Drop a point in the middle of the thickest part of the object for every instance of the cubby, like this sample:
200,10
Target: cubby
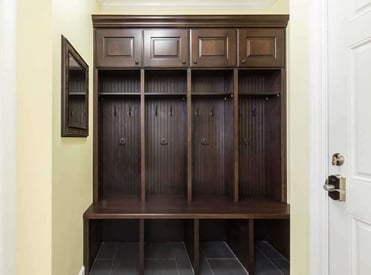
190,144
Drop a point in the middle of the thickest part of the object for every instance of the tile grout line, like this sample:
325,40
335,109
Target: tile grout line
176,261
238,260
275,250
114,258
269,260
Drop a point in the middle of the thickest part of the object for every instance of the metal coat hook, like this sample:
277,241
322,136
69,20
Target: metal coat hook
212,111
129,113
114,111
171,110
156,110
197,113
253,112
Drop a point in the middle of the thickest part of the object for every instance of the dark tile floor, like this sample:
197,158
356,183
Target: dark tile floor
172,259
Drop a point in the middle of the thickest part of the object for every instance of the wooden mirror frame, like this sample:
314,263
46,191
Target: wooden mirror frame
69,130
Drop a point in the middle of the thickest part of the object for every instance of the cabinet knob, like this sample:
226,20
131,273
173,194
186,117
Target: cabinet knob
243,61
195,61
184,61
136,62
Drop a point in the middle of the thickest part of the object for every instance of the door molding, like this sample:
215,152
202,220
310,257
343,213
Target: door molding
318,37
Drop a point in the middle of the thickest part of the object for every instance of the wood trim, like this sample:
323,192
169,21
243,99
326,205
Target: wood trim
319,96
235,134
95,139
190,21
142,139
189,135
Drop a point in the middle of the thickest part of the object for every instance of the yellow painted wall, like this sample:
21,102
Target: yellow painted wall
279,7
299,135
34,137
72,157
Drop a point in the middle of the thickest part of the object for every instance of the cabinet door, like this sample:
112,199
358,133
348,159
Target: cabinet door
118,47
166,48
213,47
262,48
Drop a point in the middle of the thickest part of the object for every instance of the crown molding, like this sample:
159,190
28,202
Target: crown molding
174,6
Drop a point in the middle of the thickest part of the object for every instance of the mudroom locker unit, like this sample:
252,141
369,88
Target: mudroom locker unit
189,135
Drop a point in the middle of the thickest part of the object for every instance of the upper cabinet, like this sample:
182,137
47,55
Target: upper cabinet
198,47
213,47
166,47
262,47
118,47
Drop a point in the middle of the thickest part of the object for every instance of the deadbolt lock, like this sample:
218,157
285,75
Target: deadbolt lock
337,159
335,186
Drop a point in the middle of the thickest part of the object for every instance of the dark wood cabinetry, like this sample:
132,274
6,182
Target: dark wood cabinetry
118,48
189,141
214,47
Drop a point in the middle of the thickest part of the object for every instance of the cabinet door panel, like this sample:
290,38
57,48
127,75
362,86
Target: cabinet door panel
166,48
118,47
262,48
213,47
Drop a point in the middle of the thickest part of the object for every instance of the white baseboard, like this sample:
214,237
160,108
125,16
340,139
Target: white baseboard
82,271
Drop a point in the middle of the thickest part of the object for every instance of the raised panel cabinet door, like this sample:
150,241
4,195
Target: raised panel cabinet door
118,47
214,47
166,48
262,47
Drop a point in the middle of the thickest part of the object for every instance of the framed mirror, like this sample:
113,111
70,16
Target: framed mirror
75,92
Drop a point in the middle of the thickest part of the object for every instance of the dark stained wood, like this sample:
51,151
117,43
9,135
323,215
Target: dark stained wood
206,142
200,208
283,138
166,146
276,232
118,47
262,47
166,48
189,135
96,139
251,260
235,135
183,21
212,151
191,241
143,140
213,47
238,235
141,247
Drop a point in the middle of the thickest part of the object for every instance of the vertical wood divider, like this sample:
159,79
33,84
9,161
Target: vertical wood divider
143,141
283,136
95,139
141,247
235,134
196,246
189,135
251,260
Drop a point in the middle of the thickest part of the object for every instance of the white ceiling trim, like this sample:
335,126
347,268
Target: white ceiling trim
184,5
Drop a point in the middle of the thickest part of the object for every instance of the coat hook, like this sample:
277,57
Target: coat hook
129,113
114,111
156,110
197,113
171,110
253,112
212,111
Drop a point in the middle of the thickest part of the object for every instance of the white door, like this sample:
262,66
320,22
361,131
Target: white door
349,51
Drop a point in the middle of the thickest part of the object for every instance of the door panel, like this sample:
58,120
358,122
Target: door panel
118,47
167,48
213,47
350,134
262,48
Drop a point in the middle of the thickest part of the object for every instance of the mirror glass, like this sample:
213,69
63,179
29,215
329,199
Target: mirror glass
74,92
